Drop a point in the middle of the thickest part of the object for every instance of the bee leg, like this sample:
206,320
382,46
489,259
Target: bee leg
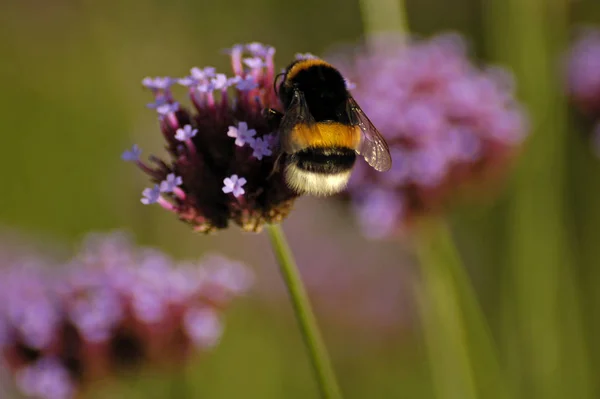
273,117
276,166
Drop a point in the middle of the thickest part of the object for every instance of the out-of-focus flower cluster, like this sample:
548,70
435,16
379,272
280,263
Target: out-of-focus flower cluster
447,122
583,77
222,150
112,306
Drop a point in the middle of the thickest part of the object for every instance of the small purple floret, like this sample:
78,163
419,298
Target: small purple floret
234,185
158,83
185,133
254,62
305,56
242,134
46,379
150,195
246,84
202,74
133,154
219,82
261,148
170,183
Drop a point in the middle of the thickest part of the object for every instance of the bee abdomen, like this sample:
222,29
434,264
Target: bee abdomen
324,160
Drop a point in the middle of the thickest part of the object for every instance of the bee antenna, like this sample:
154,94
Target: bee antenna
275,82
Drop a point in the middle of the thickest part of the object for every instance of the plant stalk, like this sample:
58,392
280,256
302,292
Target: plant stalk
317,351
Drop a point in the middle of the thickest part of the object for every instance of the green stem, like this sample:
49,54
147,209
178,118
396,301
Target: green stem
308,323
381,16
463,354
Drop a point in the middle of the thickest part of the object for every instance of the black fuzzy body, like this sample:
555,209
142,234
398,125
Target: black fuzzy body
324,90
324,160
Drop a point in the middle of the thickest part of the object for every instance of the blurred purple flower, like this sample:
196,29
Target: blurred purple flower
242,134
254,62
185,133
203,327
158,83
202,153
234,185
584,72
96,312
170,183
150,195
133,154
261,148
46,379
57,330
447,123
246,84
259,49
583,79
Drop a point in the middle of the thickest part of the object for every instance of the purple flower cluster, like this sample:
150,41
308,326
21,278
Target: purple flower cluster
222,160
583,77
111,305
446,122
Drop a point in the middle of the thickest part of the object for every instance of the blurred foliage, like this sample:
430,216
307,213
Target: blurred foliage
72,100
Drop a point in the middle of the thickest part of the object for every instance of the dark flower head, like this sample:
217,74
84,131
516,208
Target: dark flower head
222,156
584,72
446,122
112,305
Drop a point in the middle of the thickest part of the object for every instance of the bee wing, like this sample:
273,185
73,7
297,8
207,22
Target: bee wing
373,146
297,117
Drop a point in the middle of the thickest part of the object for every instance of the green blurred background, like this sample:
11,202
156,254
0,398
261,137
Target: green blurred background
72,101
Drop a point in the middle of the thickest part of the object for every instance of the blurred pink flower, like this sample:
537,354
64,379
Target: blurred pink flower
447,122
112,304
583,74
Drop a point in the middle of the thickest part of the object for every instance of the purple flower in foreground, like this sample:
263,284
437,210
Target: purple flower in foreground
112,304
261,148
132,155
202,74
305,56
242,134
170,183
150,195
158,83
448,123
202,152
185,133
259,50
234,185
246,84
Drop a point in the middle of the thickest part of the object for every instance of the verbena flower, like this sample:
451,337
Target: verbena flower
583,79
221,150
584,72
446,122
111,305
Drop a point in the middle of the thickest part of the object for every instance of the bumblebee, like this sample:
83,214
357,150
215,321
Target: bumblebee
322,129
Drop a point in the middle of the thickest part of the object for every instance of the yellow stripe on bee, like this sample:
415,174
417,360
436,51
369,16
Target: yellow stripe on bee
326,134
305,64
